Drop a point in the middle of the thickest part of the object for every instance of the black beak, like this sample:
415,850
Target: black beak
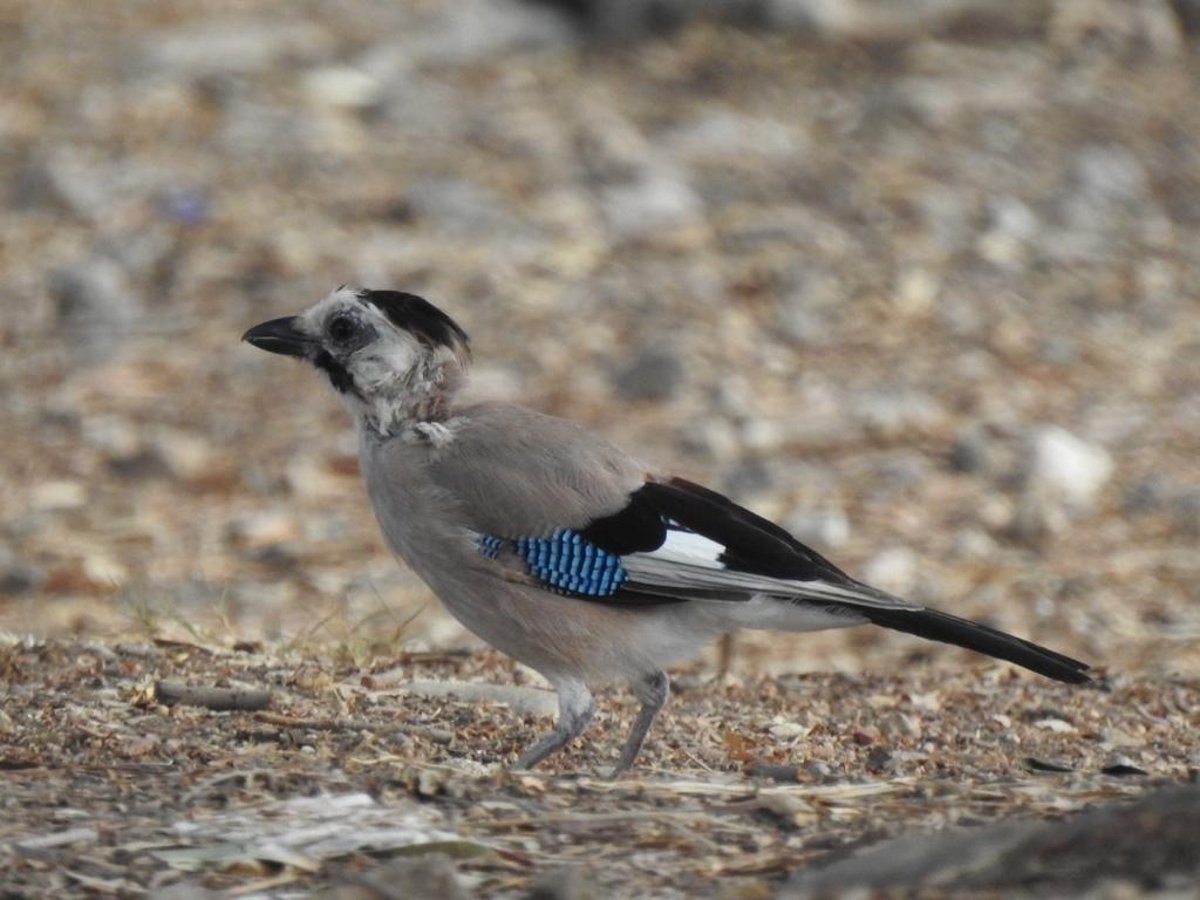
279,336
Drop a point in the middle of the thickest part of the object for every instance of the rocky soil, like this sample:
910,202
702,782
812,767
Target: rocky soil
919,280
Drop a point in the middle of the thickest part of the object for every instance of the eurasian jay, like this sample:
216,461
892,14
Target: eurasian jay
557,547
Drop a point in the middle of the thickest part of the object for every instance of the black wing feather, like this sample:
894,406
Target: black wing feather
757,546
752,544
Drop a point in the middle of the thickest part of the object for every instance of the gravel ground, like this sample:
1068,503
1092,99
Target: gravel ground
109,790
926,294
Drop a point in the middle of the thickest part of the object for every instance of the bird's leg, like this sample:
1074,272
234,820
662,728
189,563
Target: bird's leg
653,691
575,709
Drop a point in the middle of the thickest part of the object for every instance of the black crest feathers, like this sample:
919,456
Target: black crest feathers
419,317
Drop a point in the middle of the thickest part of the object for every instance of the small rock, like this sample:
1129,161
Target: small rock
973,543
422,876
16,575
880,759
819,770
232,47
805,309
342,87
57,496
659,199
1185,513
1188,14
894,570
95,306
656,373
1012,228
562,883
787,731
900,724
971,452
865,737
1011,217
1147,494
726,134
186,891
1109,175
748,477
104,571
891,413
185,455
459,207
473,31
265,529
313,477
822,528
712,438
63,178
1062,476
114,436
774,772
1122,766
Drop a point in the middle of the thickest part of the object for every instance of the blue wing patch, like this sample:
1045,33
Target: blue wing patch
565,561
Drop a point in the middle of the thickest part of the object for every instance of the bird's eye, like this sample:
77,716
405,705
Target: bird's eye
342,328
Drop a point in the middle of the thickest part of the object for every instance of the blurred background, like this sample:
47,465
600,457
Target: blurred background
920,279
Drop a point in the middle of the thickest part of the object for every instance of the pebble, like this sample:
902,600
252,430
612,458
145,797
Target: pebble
787,731
894,570
57,496
1107,176
1185,512
712,439
562,882
819,770
899,724
263,529
1063,475
96,307
104,571
1188,14
472,31
973,543
657,200
748,477
655,373
1147,494
457,207
822,527
342,87
891,413
725,134
234,46
186,455
17,576
64,178
806,308
971,453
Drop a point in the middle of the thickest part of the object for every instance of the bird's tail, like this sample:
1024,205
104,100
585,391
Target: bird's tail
939,626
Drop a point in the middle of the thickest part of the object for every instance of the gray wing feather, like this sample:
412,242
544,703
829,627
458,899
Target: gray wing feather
676,576
513,472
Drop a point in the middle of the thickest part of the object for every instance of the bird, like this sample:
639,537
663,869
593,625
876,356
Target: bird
560,549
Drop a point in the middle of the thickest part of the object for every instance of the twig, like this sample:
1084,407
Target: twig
216,698
285,721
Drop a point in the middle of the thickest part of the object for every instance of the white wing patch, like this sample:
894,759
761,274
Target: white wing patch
690,548
690,561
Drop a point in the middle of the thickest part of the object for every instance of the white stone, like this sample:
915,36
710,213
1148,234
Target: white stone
1065,468
893,570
